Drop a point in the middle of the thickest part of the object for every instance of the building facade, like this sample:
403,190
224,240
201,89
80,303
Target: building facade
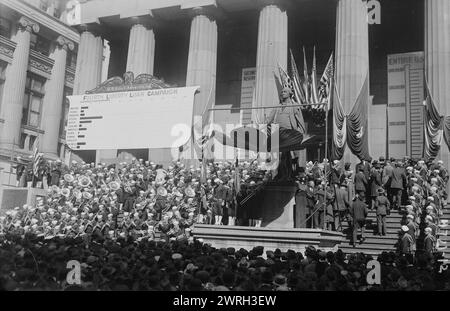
37,71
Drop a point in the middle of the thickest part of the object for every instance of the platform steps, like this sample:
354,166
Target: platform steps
375,244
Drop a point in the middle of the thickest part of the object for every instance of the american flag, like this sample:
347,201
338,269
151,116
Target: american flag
37,156
298,90
325,80
306,78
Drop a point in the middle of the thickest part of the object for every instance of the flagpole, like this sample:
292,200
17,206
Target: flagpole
327,107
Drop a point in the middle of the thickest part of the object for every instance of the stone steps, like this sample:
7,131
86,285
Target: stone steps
375,244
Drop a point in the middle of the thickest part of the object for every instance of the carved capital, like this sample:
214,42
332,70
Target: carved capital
211,12
282,4
65,43
28,24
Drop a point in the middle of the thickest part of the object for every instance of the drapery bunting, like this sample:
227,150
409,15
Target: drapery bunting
351,129
436,127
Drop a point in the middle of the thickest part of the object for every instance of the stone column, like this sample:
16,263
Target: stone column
89,63
14,87
53,99
202,59
437,60
272,50
202,64
352,54
141,50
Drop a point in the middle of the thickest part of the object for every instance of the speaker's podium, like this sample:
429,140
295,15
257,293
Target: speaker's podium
11,197
274,205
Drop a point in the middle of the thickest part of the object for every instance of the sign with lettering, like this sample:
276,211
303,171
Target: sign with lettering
247,93
158,118
405,109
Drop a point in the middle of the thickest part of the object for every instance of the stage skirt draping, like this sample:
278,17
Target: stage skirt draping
351,129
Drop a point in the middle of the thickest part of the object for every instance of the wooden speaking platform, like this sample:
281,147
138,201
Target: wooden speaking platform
275,206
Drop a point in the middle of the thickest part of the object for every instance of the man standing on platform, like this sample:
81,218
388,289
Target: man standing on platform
388,170
382,207
360,182
359,211
398,180
301,203
342,205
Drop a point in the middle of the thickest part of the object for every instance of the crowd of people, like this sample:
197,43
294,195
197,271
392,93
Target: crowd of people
413,187
136,198
35,263
107,217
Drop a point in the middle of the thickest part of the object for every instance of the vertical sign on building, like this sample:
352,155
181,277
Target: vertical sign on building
405,109
247,88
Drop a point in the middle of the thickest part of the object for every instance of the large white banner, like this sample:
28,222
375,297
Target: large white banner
160,118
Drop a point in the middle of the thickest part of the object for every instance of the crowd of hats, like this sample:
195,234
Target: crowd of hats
128,199
31,262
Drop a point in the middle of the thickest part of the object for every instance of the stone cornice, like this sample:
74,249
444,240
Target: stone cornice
42,18
7,48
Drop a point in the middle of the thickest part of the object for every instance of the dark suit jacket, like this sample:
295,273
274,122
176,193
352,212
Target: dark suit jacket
360,182
341,199
359,210
398,178
366,169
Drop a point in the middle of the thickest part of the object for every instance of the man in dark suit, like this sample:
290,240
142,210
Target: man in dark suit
382,206
359,211
341,205
387,178
360,182
398,180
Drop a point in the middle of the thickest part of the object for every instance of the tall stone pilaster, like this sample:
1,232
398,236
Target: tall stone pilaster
141,50
202,59
352,54
89,63
202,62
14,87
272,50
437,60
53,99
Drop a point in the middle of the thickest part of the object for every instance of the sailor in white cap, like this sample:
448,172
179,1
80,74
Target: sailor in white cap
407,242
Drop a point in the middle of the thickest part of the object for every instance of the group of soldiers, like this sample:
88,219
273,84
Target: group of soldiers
329,194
